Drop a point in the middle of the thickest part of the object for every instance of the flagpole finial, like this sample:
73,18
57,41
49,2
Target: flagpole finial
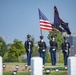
41,37
55,8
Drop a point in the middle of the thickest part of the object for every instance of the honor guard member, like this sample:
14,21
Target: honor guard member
42,48
28,47
65,50
53,48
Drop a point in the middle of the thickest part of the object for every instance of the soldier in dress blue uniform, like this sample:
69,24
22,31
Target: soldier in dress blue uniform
53,48
42,48
28,47
65,50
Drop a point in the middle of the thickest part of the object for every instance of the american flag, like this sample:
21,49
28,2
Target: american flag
44,22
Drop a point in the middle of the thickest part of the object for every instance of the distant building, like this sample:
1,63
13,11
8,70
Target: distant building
72,41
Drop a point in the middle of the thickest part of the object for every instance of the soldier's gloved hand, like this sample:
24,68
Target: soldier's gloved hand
29,43
66,51
43,50
53,49
28,49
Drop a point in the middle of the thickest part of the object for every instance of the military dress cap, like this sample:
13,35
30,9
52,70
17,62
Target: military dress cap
51,36
28,36
41,37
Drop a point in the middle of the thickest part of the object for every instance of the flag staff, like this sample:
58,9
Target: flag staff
41,32
39,18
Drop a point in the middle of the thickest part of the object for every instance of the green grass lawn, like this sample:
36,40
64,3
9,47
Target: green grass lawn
20,73
27,73
60,66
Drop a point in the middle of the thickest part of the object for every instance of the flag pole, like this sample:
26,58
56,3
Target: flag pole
39,18
53,30
41,32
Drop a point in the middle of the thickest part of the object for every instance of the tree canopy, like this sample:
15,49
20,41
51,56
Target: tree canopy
16,50
3,47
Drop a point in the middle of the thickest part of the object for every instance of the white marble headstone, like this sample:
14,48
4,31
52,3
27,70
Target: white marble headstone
1,68
36,66
72,65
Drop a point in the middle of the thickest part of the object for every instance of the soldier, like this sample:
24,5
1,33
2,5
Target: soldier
28,47
42,48
65,50
53,48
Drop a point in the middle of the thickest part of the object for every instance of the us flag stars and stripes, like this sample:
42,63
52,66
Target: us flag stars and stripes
44,22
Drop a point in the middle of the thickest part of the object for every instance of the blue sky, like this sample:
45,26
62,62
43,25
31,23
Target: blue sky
20,17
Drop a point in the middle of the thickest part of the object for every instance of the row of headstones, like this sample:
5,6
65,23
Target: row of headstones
37,67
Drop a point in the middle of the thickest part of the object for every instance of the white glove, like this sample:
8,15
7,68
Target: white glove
66,51
29,50
67,45
29,43
53,49
43,50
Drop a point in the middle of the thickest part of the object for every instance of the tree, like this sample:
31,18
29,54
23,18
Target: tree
3,47
16,50
35,47
48,59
